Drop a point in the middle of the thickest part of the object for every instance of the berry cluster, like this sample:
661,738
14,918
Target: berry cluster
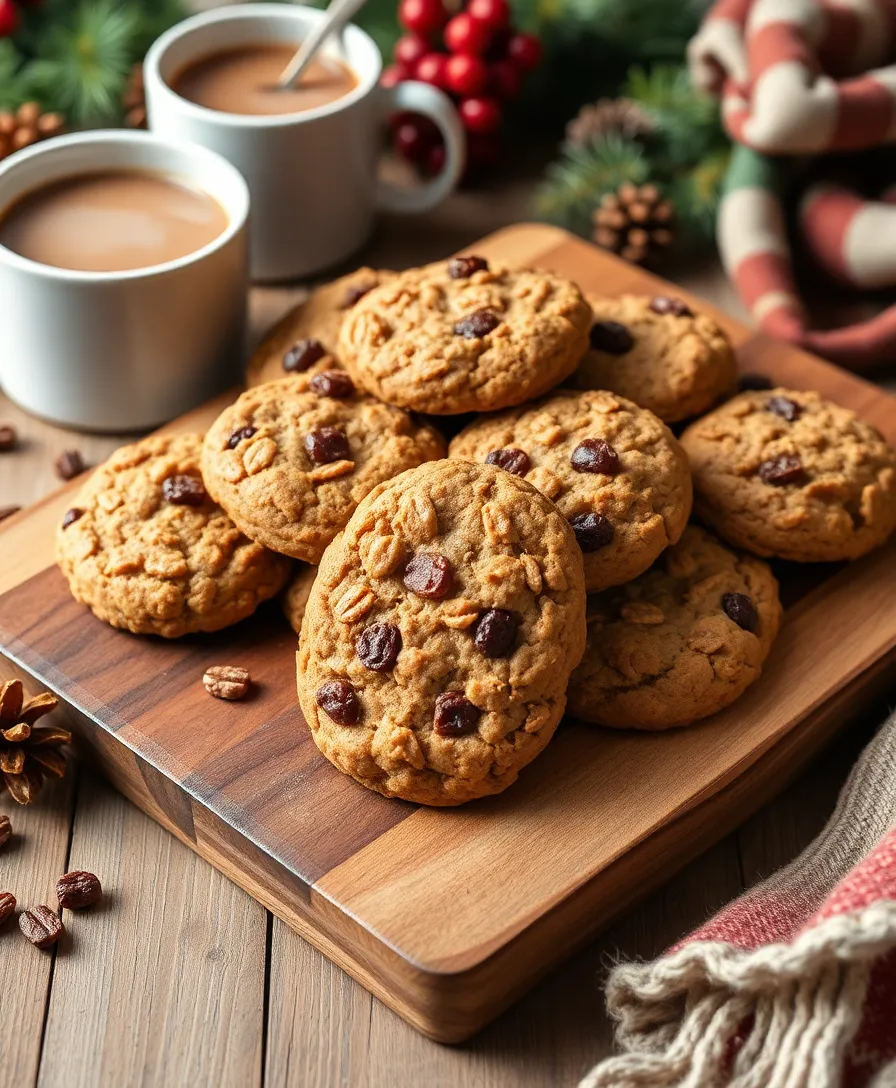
483,68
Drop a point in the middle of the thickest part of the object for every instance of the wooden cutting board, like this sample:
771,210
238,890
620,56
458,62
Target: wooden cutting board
449,915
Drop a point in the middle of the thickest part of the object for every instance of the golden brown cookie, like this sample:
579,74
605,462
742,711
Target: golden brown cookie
440,634
290,460
459,336
680,642
304,340
147,549
295,596
658,353
615,472
788,473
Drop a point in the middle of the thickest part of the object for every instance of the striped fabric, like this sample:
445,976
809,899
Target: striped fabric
801,77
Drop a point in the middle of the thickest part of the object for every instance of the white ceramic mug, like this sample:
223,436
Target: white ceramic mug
312,175
123,351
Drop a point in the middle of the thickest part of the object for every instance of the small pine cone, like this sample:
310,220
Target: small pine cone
133,100
27,125
29,753
620,116
635,222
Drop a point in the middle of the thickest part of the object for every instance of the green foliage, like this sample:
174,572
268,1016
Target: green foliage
75,56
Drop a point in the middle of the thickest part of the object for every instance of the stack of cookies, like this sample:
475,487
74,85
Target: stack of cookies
454,599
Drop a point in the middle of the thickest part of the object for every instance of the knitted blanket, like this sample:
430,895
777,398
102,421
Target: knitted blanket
798,78
793,985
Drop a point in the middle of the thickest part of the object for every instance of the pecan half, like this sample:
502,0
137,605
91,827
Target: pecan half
227,681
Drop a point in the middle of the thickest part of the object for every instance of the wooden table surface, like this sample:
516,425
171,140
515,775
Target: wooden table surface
182,979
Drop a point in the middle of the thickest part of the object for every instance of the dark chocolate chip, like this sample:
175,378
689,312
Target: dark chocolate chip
677,307
378,646
476,325
455,715
8,437
429,575
511,460
327,445
184,490
749,382
302,354
332,383
461,268
496,632
784,407
71,516
69,464
740,608
782,470
355,292
240,436
612,337
593,531
339,701
595,455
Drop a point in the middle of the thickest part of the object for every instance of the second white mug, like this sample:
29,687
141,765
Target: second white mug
312,175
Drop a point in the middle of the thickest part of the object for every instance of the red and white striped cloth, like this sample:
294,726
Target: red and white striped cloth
793,985
796,78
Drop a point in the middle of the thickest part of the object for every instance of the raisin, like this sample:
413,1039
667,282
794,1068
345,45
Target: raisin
339,701
429,575
332,383
184,490
476,325
782,470
496,632
240,436
612,337
455,715
511,459
327,445
302,354
784,407
595,455
593,531
461,268
740,608
378,646
677,307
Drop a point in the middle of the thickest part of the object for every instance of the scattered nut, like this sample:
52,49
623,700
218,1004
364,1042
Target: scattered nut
77,890
7,905
41,926
5,830
227,681
69,464
8,437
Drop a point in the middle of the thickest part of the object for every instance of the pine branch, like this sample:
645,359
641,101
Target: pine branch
11,96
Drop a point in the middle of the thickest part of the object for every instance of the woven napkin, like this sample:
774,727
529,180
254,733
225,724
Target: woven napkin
792,985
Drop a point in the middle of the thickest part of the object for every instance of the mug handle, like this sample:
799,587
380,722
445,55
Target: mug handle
416,97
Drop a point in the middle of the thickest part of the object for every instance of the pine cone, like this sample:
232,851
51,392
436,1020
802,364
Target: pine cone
134,99
28,754
26,126
608,115
634,222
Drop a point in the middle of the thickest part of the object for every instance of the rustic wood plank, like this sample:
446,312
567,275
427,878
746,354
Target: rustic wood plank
164,983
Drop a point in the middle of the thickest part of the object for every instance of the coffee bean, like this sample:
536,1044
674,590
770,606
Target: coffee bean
8,511
429,575
332,383
7,906
593,531
339,701
41,926
595,455
663,304
355,292
378,646
327,445
71,516
302,354
782,470
476,325
740,608
78,890
455,715
240,436
184,491
748,382
612,337
5,830
8,438
496,632
461,268
69,464
511,460
784,407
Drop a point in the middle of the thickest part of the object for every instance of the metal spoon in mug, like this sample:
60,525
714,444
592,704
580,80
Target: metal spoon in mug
337,15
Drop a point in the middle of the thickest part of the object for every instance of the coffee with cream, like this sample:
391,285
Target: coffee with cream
113,221
244,80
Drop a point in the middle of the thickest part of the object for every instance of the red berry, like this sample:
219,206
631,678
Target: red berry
423,17
504,80
395,74
465,74
435,160
412,141
464,34
409,49
480,114
494,13
9,18
431,69
525,51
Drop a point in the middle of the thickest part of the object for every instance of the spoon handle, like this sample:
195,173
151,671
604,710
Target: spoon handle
338,14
